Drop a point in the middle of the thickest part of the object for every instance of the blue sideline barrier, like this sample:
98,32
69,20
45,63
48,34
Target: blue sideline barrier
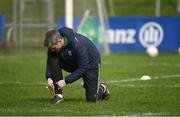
137,33
2,23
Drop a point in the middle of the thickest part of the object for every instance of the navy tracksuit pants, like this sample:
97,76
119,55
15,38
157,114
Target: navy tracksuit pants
93,91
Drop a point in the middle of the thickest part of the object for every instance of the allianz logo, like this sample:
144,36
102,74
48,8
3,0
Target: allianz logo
150,34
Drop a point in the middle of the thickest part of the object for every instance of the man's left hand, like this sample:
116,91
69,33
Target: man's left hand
61,84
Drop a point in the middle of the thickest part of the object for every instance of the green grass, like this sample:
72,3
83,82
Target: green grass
23,92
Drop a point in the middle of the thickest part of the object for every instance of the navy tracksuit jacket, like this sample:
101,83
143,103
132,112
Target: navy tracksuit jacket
77,56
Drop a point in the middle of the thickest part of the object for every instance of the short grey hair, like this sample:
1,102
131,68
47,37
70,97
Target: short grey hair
51,38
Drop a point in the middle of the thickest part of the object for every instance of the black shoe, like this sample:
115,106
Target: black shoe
106,94
56,99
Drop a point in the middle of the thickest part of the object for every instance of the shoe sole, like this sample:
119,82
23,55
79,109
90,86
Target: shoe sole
59,101
62,100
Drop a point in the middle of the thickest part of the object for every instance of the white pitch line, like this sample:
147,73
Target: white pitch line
167,76
138,79
22,83
110,81
152,114
147,86
91,112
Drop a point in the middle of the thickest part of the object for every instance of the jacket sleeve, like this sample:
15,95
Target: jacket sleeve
48,71
83,62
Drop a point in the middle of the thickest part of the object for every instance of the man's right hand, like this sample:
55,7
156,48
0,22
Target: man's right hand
50,83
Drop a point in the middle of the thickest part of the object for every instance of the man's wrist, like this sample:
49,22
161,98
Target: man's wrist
66,81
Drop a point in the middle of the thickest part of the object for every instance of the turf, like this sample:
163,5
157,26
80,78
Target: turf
23,92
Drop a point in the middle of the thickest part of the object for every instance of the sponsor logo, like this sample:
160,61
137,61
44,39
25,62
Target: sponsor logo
121,36
151,34
69,53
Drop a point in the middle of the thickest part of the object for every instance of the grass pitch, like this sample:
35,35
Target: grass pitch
23,92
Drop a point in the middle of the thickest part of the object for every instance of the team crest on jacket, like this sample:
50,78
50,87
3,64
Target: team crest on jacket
69,53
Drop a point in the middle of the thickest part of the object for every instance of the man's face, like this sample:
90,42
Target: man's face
57,46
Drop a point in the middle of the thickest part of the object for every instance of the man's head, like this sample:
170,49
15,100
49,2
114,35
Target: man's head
54,40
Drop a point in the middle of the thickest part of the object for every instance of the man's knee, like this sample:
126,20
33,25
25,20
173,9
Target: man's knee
55,69
90,97
54,62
